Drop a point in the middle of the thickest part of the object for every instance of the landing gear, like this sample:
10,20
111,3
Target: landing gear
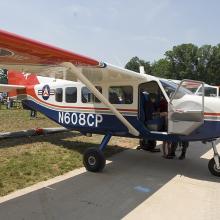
94,159
214,165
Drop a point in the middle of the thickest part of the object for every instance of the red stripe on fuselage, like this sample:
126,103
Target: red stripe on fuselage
211,114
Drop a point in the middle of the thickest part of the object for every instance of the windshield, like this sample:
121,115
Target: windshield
193,90
170,88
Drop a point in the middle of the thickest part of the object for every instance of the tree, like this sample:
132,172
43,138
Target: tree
161,68
213,69
3,76
183,61
135,63
205,57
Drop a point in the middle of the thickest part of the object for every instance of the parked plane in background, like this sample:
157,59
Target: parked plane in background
96,97
210,91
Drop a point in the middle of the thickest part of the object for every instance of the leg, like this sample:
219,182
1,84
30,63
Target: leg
164,148
214,165
174,146
185,145
169,151
93,158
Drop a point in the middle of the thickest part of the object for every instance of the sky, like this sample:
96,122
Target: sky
116,30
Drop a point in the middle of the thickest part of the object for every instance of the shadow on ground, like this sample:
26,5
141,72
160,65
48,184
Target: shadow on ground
64,139
131,178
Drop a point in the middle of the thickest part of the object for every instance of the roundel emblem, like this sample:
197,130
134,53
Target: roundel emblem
46,92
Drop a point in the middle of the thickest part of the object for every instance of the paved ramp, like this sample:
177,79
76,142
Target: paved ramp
135,185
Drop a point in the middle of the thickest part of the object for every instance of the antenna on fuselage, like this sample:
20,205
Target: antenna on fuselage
141,69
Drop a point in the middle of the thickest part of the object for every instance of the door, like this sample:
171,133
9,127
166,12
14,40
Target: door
150,97
185,111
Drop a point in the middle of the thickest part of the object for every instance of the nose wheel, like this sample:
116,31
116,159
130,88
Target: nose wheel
214,165
214,170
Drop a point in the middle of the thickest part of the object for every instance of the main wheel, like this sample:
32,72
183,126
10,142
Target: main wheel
212,167
94,160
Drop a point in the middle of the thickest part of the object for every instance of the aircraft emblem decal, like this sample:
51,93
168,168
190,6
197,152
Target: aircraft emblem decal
26,75
46,92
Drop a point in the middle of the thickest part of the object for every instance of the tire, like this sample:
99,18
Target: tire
212,168
147,144
94,160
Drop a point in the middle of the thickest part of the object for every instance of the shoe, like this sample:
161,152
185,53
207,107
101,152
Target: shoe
138,148
182,157
155,150
168,157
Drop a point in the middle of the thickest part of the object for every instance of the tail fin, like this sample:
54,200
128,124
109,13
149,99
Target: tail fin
15,83
21,78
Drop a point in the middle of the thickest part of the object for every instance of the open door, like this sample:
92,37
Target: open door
185,111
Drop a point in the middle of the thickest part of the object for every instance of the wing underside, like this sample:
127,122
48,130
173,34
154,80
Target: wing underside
26,55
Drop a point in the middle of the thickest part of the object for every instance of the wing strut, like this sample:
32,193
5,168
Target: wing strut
92,88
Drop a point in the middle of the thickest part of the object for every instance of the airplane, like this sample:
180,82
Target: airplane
83,94
212,91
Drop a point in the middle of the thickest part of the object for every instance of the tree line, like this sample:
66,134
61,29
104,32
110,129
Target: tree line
185,61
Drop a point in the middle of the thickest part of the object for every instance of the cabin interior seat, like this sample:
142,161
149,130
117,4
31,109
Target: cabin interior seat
151,121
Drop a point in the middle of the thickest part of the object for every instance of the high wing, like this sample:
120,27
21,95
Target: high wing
19,53
9,88
23,54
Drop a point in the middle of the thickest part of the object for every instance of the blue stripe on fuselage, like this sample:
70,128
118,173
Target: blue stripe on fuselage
104,123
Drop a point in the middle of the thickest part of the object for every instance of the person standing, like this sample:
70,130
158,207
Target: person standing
167,150
8,102
185,145
33,113
174,145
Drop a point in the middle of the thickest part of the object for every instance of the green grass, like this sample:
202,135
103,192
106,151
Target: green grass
18,119
28,160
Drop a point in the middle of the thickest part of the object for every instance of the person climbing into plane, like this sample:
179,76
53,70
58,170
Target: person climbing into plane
163,108
150,111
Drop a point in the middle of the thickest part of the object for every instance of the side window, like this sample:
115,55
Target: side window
209,91
89,97
59,95
71,94
121,94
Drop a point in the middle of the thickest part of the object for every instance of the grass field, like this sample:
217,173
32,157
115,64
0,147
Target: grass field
28,160
18,119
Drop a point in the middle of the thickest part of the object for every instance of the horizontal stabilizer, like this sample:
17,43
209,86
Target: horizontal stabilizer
9,88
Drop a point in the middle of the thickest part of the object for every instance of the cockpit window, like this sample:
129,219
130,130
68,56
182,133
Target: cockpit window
170,88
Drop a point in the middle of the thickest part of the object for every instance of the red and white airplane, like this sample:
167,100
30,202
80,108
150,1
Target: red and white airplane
89,96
